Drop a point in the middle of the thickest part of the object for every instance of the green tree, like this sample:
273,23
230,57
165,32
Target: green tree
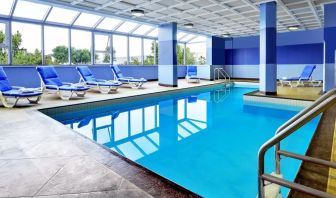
60,55
3,51
135,61
81,56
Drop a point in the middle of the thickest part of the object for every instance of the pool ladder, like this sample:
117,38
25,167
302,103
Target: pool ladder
220,73
300,119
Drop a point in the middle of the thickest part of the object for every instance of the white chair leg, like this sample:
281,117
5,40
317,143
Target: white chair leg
104,90
65,95
8,104
80,93
31,101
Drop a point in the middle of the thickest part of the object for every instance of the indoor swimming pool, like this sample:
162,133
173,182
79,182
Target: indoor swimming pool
205,140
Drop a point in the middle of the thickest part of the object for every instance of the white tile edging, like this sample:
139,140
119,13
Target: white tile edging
277,101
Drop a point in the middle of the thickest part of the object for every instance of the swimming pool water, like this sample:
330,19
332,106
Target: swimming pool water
206,141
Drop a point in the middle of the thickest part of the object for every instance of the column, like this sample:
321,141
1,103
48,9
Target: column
268,37
329,46
215,57
167,55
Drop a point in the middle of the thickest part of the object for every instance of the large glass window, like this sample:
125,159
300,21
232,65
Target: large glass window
154,33
196,53
135,50
3,46
149,47
87,20
80,47
143,30
60,15
6,6
26,44
180,54
127,27
102,48
30,10
120,50
56,45
108,24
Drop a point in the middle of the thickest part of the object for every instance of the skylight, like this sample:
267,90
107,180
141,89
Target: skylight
30,10
6,6
108,24
187,37
198,39
87,20
180,35
127,27
60,15
154,33
143,29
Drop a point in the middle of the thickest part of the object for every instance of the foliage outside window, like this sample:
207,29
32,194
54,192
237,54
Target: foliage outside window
80,47
135,51
3,48
180,54
149,46
56,45
26,44
120,50
102,49
196,53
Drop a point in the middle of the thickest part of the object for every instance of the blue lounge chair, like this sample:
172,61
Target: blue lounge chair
103,86
51,82
8,92
306,76
192,74
137,82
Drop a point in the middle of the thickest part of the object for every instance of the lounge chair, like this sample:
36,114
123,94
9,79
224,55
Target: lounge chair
103,86
192,74
8,92
306,76
51,82
137,82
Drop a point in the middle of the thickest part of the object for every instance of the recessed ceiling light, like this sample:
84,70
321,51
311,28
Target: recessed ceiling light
138,12
293,28
226,35
189,25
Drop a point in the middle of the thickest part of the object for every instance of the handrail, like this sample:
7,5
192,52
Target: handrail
222,72
303,117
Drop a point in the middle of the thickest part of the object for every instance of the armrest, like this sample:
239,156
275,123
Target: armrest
101,80
52,86
17,87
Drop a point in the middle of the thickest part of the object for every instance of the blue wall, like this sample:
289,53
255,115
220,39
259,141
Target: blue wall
294,50
28,77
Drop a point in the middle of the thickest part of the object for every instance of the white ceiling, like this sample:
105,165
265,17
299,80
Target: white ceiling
212,17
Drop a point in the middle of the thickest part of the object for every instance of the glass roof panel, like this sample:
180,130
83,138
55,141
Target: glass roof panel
127,27
143,29
187,37
198,39
30,10
180,35
154,33
108,24
87,20
6,6
60,15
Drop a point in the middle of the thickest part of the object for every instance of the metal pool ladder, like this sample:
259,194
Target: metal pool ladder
221,73
300,119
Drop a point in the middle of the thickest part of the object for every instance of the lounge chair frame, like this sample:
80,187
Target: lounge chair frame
127,80
5,100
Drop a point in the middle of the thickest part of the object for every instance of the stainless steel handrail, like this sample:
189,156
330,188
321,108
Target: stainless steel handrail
223,73
303,117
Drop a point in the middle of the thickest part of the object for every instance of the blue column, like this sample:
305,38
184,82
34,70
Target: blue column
167,55
329,46
215,50
268,38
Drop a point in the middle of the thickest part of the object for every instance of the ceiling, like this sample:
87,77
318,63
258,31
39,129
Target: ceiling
212,17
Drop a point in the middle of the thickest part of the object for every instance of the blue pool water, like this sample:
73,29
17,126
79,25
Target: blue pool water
206,141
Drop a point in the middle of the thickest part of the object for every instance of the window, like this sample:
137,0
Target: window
56,45
127,26
180,54
3,46
143,30
149,46
196,53
80,47
102,49
87,20
187,38
120,50
60,15
135,51
6,6
26,44
108,24
154,33
25,9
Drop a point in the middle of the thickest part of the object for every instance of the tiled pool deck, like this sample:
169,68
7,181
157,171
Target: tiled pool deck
40,157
